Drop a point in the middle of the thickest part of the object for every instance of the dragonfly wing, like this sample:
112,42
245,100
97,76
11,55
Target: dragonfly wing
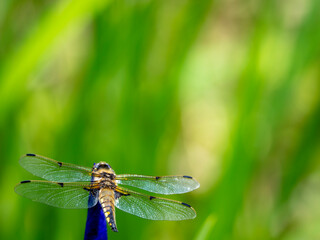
52,170
153,208
161,185
62,195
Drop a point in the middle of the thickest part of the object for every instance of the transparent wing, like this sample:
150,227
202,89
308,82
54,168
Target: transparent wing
52,170
62,195
153,208
161,185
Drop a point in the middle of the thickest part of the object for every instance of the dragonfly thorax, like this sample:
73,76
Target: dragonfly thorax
103,171
107,183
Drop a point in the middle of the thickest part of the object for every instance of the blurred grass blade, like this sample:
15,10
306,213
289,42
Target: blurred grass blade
15,72
206,228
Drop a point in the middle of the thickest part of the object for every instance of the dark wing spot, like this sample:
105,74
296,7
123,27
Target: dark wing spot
60,183
152,197
157,178
60,164
27,181
185,204
120,194
30,154
117,195
187,177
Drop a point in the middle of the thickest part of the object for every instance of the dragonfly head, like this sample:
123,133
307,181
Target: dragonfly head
102,165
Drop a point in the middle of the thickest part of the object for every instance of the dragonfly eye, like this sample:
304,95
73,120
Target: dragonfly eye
102,165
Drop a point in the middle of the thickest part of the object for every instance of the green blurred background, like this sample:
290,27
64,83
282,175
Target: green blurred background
225,91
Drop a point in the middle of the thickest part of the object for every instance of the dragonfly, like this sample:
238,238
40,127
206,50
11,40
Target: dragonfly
73,186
